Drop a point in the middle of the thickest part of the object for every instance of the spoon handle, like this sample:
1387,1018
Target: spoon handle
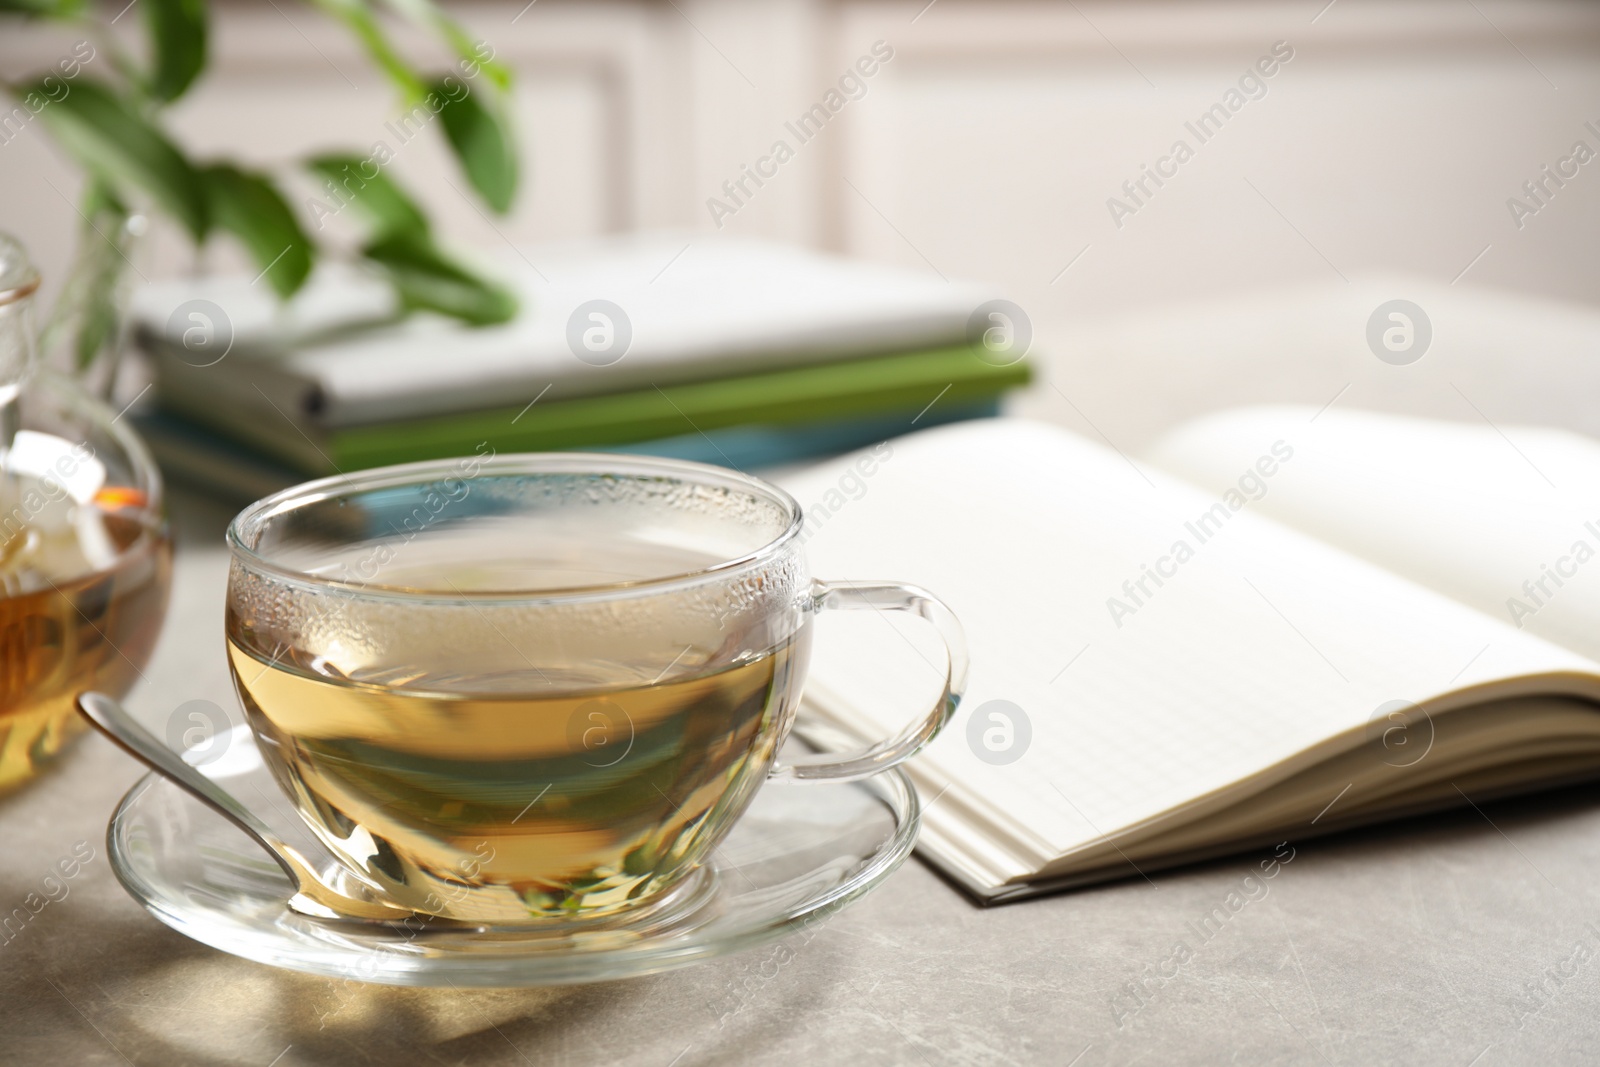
315,895
113,720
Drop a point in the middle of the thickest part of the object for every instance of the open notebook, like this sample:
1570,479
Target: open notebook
1282,623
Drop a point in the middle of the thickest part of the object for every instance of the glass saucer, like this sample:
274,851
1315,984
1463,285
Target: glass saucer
800,853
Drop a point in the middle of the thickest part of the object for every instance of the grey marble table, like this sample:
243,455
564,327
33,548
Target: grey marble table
1468,939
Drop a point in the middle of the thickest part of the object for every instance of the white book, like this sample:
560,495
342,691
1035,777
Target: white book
693,307
1282,623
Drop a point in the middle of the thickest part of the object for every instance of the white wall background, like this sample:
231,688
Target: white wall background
986,148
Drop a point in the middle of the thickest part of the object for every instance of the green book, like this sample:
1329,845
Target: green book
952,377
229,471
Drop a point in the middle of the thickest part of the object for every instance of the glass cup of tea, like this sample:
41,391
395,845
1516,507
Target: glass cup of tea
518,689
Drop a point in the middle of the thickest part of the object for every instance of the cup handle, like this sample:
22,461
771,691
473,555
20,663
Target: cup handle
886,596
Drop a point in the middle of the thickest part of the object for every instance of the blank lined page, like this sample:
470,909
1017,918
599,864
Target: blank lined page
1258,644
1506,518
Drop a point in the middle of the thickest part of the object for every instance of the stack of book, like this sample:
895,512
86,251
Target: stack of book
725,351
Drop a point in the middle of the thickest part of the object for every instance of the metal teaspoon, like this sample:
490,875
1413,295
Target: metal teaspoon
314,896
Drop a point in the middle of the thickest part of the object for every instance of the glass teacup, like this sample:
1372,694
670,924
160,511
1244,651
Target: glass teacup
515,689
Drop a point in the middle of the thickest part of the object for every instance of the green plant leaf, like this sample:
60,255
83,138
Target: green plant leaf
481,141
426,279
98,197
425,13
58,9
364,24
471,52
178,43
386,206
249,207
120,147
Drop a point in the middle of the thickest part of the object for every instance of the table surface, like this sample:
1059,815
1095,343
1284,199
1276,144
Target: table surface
1468,939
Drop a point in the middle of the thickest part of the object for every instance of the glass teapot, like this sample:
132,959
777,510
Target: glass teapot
85,556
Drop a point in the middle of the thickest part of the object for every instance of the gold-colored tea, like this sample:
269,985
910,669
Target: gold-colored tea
63,631
513,794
